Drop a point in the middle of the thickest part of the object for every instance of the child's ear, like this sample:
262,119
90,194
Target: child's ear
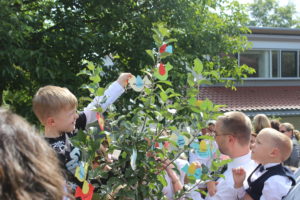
50,121
275,153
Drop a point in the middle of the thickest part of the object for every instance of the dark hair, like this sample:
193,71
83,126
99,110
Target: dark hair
275,124
29,168
237,124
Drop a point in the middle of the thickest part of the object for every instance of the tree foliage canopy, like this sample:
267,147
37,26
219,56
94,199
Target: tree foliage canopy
44,41
268,13
157,127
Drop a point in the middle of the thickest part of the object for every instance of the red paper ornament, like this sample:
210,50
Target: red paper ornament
156,145
162,69
88,196
100,119
163,48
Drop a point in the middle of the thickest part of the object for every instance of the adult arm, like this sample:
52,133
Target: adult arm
114,91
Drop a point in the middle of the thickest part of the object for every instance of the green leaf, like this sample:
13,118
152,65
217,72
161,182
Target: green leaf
90,66
100,92
165,82
206,137
186,134
95,79
84,72
204,81
157,39
150,53
206,105
164,31
192,101
163,96
198,66
124,154
164,55
162,179
171,40
190,80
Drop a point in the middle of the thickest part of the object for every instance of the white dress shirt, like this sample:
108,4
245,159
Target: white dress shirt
225,187
275,187
113,92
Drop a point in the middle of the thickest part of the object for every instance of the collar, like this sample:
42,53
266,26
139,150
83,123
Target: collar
268,165
239,161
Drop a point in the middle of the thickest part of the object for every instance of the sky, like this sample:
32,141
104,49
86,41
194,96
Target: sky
281,3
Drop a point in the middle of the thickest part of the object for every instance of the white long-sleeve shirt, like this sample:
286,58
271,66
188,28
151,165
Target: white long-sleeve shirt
225,187
274,188
113,92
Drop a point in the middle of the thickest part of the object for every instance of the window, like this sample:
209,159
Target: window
271,63
275,61
257,59
289,63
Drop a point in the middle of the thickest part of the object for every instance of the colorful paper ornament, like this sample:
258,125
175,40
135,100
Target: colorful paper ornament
192,170
166,144
163,48
81,171
203,146
198,173
195,146
166,48
169,49
100,119
157,145
181,141
138,84
86,193
161,71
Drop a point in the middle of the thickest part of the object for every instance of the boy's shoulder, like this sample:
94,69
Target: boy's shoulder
278,173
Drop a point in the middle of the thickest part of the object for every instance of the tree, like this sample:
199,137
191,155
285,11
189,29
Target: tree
268,13
151,119
43,42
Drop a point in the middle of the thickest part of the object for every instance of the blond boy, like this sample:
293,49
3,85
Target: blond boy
56,109
270,180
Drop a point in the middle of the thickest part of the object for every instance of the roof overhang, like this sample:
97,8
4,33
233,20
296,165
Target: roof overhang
271,100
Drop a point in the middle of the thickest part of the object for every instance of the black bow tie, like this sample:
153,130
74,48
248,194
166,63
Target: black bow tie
261,168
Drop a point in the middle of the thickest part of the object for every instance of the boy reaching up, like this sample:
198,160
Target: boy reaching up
270,180
56,109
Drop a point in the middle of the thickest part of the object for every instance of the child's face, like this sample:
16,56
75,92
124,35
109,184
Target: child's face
65,120
262,148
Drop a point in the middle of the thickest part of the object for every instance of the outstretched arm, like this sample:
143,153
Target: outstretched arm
114,91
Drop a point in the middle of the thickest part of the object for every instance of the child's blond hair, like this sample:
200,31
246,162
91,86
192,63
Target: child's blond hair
52,99
279,141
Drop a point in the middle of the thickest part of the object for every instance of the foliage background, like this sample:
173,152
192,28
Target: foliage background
268,13
43,41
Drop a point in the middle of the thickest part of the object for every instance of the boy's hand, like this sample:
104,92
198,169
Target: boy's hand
123,79
211,187
239,175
